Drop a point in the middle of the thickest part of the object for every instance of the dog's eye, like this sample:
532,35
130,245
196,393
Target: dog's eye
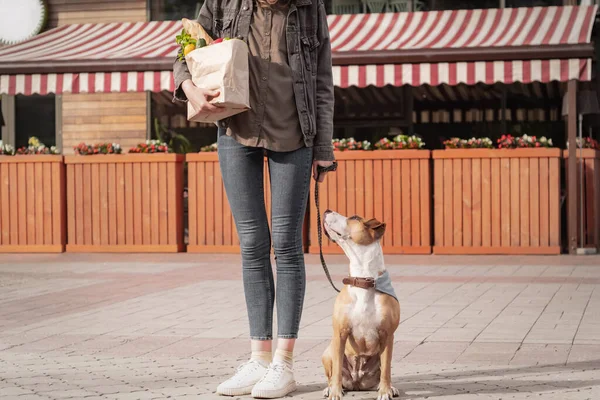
354,218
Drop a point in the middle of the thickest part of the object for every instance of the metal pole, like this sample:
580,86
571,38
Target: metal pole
572,166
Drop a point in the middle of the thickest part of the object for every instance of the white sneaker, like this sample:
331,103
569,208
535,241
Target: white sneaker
277,382
246,376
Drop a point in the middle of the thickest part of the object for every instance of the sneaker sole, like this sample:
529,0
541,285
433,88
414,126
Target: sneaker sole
274,394
235,392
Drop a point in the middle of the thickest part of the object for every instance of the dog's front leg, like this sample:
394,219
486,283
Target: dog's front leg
386,391
338,346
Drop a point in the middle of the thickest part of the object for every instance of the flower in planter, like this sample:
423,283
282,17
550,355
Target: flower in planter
473,143
36,147
83,149
6,149
151,146
209,149
351,144
525,141
587,143
400,142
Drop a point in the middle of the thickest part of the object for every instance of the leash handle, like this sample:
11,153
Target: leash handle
320,170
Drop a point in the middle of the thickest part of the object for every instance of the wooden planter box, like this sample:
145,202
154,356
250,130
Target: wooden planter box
390,185
32,204
591,194
497,201
211,225
125,203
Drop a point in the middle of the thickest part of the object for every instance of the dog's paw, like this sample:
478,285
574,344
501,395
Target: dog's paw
333,394
388,394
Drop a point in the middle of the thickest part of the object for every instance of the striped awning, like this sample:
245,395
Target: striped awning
540,44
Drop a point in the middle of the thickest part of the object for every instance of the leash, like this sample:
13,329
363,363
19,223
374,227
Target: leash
321,170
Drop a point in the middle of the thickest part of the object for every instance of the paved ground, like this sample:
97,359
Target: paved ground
155,327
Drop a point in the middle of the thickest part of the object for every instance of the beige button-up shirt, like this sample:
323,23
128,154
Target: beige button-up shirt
272,122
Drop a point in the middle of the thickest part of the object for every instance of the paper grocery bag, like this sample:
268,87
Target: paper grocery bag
223,67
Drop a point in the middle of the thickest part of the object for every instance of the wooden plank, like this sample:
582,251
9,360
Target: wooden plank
397,203
544,202
524,201
497,250
192,204
80,205
46,174
415,209
5,207
21,185
467,209
120,203
554,201
589,202
105,222
201,203
58,206
448,203
130,217
38,175
163,201
141,249
178,206
350,171
211,186
31,203
377,192
219,195
174,199
515,195
95,200
476,206
438,200
146,195
487,186
501,217
360,187
154,200
343,188
111,199
14,195
458,231
369,198
136,207
406,204
534,204
425,202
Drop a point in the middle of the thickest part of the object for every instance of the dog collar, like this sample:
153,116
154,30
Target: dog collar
363,283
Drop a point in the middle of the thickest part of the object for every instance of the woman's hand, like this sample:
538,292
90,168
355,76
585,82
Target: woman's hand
200,98
316,164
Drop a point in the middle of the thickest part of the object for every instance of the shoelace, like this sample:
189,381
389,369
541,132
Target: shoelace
248,367
274,373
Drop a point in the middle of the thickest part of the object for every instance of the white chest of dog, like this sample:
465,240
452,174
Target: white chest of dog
364,319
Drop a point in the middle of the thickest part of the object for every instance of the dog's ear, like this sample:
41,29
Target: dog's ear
377,226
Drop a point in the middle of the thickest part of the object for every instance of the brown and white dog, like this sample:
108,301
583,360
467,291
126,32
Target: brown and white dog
364,319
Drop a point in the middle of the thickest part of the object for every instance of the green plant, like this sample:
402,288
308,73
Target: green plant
177,142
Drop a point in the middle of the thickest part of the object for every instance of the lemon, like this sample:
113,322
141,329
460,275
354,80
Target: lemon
189,48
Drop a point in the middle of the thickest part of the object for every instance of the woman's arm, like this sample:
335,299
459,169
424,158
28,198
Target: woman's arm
323,149
181,72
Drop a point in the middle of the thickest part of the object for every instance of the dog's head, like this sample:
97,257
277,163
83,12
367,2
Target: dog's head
355,235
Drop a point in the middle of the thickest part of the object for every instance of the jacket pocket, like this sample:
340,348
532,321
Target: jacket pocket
310,44
222,27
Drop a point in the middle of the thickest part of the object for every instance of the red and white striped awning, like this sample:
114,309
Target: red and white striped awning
125,48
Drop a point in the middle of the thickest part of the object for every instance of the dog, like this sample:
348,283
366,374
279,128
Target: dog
359,356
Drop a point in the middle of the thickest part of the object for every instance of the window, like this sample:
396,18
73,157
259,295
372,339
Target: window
172,10
35,116
533,3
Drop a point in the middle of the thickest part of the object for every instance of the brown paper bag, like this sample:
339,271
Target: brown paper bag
222,67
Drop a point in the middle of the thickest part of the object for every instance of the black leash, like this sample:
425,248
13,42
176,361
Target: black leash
321,170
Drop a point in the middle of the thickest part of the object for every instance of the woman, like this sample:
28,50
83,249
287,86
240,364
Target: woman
291,121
